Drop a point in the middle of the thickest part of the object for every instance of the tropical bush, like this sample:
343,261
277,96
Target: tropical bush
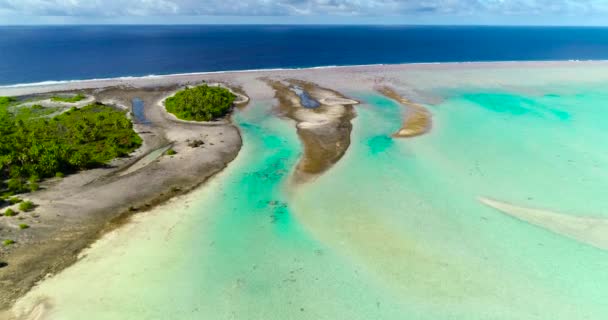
26,206
38,148
71,99
9,213
14,200
202,103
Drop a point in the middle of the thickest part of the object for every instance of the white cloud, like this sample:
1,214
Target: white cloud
300,7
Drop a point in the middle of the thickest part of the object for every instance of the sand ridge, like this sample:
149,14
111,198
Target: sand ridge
324,130
588,230
418,120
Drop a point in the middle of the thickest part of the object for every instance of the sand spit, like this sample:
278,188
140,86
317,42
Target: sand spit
74,211
324,130
588,230
418,119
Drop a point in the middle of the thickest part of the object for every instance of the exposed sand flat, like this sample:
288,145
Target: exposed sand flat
418,119
592,231
332,101
145,160
324,130
50,103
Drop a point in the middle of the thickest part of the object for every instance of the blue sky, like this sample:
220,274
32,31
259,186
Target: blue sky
493,12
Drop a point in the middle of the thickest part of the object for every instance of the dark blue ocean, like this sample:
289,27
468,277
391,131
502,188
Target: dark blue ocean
41,53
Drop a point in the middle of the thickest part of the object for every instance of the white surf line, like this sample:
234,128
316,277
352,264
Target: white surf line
588,230
270,69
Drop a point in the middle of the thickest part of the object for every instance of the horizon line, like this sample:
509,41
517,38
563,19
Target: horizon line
311,25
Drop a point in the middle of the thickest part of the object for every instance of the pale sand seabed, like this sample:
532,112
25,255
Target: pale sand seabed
395,229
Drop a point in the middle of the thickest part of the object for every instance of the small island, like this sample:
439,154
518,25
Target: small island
75,164
201,103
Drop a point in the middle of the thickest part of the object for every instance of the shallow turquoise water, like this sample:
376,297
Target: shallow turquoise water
394,230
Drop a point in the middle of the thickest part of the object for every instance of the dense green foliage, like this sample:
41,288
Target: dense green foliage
6,101
9,212
72,99
24,226
14,200
8,242
26,206
37,147
203,103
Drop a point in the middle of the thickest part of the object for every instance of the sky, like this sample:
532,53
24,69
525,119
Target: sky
435,12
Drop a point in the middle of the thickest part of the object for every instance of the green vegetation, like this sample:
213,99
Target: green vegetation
72,99
8,242
35,111
6,101
24,226
35,148
201,103
9,213
26,206
9,104
170,152
34,186
14,200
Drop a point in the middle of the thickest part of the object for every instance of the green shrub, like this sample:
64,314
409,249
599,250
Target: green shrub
170,152
6,101
8,242
36,111
26,206
23,226
10,213
17,185
34,186
71,99
14,200
202,103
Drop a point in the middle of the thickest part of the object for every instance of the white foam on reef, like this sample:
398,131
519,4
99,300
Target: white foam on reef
152,76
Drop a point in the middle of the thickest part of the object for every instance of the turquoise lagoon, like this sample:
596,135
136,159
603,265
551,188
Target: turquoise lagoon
395,230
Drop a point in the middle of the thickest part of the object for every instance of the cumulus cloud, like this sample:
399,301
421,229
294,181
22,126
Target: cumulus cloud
299,7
